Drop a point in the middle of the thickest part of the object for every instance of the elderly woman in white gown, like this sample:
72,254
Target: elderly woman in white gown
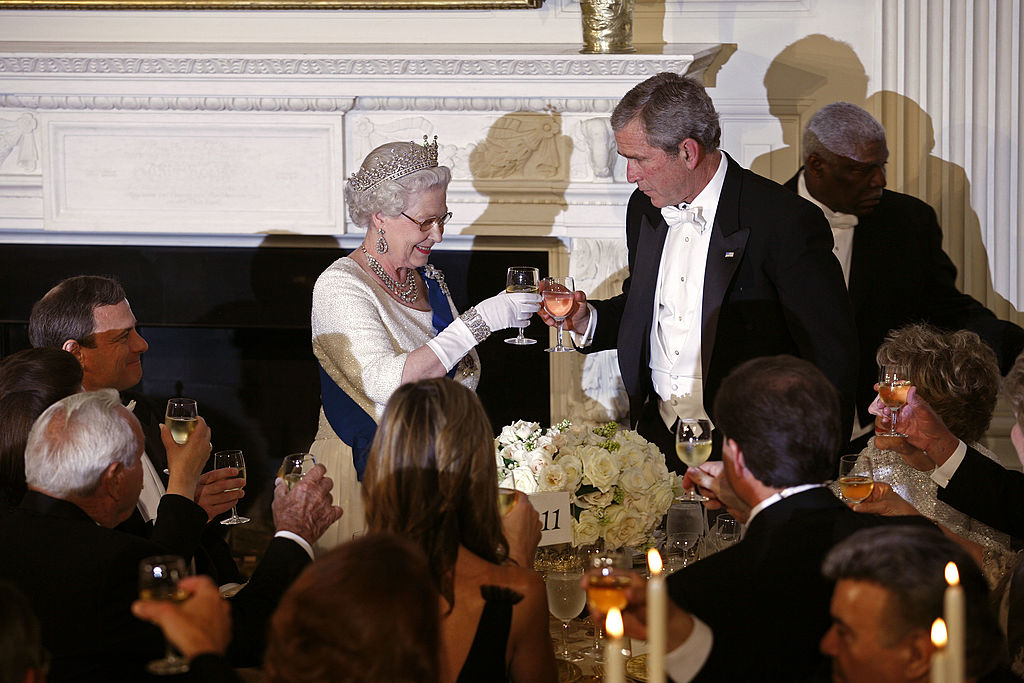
382,315
958,375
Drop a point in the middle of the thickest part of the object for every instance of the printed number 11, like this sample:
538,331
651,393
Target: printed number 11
545,516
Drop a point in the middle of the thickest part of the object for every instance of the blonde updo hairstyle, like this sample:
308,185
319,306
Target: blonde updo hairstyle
391,197
955,372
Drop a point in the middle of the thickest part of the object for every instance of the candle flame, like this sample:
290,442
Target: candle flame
939,636
654,561
952,575
613,623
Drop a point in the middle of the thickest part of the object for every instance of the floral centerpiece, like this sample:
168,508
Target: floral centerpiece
620,486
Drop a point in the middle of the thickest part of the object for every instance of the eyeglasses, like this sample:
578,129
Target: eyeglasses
426,225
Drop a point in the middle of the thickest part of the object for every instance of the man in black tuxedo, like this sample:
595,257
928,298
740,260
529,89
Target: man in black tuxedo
889,245
724,266
757,610
61,548
89,317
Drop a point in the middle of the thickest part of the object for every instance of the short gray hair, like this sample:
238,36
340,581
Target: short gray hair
671,108
66,311
75,440
838,129
909,562
393,196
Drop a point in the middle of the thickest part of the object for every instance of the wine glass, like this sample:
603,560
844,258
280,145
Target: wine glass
693,445
506,500
158,580
893,385
566,598
222,459
856,477
522,279
608,579
727,531
295,466
181,418
558,299
681,550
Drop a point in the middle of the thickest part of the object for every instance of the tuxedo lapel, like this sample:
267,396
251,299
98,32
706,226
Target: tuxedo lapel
728,241
865,250
634,336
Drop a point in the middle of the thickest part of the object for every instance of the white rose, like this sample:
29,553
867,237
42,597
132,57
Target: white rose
573,470
586,529
633,481
551,478
661,496
537,460
631,454
624,527
524,480
523,429
599,467
596,499
516,451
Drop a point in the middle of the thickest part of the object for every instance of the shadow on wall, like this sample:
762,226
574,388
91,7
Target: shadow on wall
944,185
804,77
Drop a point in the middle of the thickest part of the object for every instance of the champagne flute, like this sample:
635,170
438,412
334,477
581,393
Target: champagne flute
295,466
566,599
558,299
856,477
233,458
519,280
893,385
693,445
158,580
607,581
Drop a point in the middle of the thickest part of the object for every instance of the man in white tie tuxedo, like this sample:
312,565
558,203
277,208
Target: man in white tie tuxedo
889,245
724,266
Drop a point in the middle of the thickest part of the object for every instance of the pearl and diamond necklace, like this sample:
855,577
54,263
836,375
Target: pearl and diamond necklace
408,291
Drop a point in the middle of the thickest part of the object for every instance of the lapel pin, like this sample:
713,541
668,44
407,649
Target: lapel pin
730,254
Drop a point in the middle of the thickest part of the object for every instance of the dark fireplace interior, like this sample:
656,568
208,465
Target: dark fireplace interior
230,328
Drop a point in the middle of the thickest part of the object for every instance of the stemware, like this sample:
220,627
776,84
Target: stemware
180,418
506,500
522,279
693,445
893,385
608,579
856,477
680,550
558,299
566,598
295,466
231,458
158,580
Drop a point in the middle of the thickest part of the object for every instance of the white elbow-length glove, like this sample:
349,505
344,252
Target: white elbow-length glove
472,327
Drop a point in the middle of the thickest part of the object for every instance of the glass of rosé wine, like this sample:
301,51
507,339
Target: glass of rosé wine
558,294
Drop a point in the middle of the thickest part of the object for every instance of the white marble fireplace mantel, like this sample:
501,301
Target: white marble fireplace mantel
194,140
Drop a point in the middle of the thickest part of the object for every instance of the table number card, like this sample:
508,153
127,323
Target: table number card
555,516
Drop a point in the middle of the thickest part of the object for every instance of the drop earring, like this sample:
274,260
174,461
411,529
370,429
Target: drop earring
382,244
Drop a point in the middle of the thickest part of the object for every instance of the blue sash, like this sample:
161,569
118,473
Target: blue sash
351,423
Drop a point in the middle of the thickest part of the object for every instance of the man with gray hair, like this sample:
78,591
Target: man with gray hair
888,244
724,266
889,588
61,548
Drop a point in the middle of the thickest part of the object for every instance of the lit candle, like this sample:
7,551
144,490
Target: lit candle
656,620
939,663
614,663
953,612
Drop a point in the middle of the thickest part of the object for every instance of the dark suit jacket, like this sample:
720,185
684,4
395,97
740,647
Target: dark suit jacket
987,491
772,286
82,578
765,598
921,289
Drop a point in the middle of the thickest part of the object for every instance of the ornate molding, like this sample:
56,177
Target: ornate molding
552,67
486,104
131,103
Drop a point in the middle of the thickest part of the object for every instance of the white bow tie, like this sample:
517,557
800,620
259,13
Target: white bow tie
842,221
680,215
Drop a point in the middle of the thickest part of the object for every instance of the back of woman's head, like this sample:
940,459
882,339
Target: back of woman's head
30,382
432,475
366,612
955,372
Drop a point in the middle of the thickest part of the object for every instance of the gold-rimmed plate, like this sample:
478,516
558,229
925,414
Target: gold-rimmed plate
567,671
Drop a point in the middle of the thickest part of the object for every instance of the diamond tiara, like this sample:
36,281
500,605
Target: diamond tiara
398,166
